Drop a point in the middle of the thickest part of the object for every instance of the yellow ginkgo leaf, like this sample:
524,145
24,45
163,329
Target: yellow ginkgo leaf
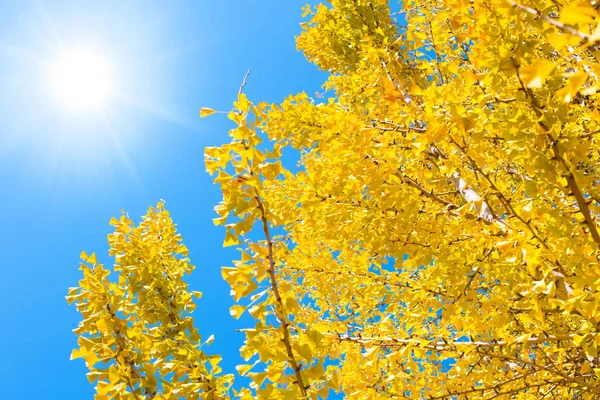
533,76
243,369
92,259
304,350
113,375
577,13
230,239
102,326
78,353
205,112
237,311
574,83
210,339
242,104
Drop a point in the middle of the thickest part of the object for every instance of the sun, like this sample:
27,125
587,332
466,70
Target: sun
82,79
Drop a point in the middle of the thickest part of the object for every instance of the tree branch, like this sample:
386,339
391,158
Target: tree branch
244,82
557,24
442,344
279,309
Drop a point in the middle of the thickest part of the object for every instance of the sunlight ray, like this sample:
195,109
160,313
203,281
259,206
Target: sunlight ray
157,111
49,22
122,152
19,53
173,54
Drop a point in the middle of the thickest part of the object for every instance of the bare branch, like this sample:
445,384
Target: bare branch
244,82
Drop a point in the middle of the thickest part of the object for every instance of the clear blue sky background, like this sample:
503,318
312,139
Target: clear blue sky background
63,175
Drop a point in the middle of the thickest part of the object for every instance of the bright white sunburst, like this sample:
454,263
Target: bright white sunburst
82,79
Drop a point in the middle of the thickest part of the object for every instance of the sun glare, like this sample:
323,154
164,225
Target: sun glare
82,79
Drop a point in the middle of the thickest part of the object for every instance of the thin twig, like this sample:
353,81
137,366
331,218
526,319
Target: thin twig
444,344
424,191
499,100
559,25
589,134
244,82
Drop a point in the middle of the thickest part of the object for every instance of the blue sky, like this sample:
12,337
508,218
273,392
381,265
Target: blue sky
64,174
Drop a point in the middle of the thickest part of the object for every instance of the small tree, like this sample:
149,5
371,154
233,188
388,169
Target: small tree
139,327
440,239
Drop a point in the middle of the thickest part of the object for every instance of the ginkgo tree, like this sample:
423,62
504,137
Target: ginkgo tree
439,238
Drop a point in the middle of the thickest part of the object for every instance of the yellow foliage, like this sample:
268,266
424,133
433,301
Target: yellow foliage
440,239
138,331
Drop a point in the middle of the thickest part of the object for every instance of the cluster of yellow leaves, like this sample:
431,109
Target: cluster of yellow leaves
441,238
286,363
137,337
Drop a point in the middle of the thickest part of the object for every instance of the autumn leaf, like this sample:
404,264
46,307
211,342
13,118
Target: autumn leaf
237,311
533,76
574,83
205,112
